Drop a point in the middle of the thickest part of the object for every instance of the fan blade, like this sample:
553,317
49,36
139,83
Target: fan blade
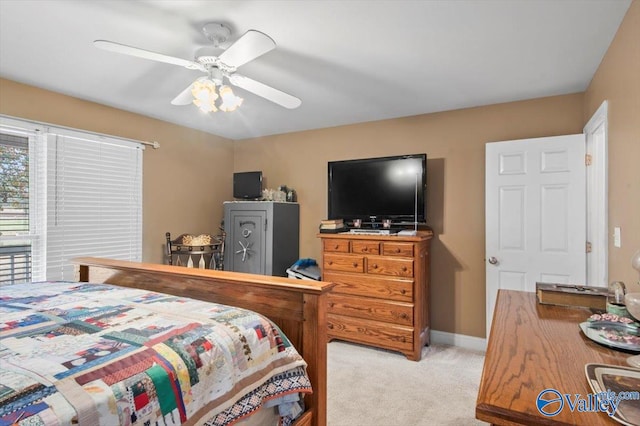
184,98
251,45
146,54
267,92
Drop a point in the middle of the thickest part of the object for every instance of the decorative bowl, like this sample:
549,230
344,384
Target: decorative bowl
632,300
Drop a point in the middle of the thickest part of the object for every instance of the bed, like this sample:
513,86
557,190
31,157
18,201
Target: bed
142,335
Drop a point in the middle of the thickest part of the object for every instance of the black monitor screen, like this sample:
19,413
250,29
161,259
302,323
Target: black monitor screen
247,185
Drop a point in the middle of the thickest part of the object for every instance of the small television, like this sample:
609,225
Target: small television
374,189
247,185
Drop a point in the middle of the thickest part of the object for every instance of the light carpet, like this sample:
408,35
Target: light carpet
373,387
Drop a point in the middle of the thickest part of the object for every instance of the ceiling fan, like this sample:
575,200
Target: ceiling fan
218,67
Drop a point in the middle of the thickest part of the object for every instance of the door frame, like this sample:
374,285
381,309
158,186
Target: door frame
597,184
597,197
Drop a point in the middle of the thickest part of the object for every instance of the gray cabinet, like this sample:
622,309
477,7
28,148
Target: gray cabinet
262,237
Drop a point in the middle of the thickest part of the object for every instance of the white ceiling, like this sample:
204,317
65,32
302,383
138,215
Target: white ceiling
349,61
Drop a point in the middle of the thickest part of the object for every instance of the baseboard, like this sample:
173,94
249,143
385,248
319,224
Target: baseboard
460,340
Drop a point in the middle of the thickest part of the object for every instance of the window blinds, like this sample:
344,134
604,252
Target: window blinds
94,201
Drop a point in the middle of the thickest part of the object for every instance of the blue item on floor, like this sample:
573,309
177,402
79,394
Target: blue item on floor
303,263
305,269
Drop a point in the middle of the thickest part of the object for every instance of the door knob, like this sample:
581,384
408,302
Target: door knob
493,260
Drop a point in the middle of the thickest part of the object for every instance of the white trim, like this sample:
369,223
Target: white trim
19,126
460,340
597,139
22,123
99,138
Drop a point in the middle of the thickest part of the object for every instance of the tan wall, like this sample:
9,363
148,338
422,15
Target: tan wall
185,181
618,81
454,143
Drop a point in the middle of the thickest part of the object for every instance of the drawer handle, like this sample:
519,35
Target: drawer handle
336,247
397,250
331,304
330,326
404,269
404,316
375,266
355,264
403,291
365,249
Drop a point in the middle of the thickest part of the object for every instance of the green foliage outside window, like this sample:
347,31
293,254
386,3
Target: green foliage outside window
14,188
14,176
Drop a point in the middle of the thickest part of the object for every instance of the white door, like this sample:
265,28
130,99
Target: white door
535,214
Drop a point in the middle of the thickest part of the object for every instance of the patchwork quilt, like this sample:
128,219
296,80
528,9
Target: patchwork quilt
96,354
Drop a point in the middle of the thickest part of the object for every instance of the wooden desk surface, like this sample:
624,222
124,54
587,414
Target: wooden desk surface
533,347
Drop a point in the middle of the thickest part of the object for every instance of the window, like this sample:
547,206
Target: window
69,194
15,249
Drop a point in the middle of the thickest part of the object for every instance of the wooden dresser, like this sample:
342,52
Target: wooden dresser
533,347
381,297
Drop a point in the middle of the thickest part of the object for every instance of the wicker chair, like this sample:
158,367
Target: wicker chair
204,251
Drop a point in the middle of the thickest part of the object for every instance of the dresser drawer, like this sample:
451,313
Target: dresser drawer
343,262
388,288
397,249
336,245
375,333
373,309
365,247
389,266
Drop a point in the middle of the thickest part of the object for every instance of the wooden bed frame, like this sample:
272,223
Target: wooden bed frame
298,307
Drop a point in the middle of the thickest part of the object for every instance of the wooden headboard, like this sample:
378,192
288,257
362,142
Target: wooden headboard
299,307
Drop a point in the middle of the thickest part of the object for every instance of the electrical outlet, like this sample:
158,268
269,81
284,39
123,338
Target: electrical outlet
616,237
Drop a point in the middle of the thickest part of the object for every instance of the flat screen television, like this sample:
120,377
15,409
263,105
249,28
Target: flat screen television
247,185
385,188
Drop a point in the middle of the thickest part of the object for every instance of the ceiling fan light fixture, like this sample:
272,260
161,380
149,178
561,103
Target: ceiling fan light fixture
230,102
204,95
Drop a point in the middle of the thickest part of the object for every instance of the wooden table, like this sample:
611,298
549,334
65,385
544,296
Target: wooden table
533,347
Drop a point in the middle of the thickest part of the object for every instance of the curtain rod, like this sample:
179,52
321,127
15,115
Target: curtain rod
153,144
